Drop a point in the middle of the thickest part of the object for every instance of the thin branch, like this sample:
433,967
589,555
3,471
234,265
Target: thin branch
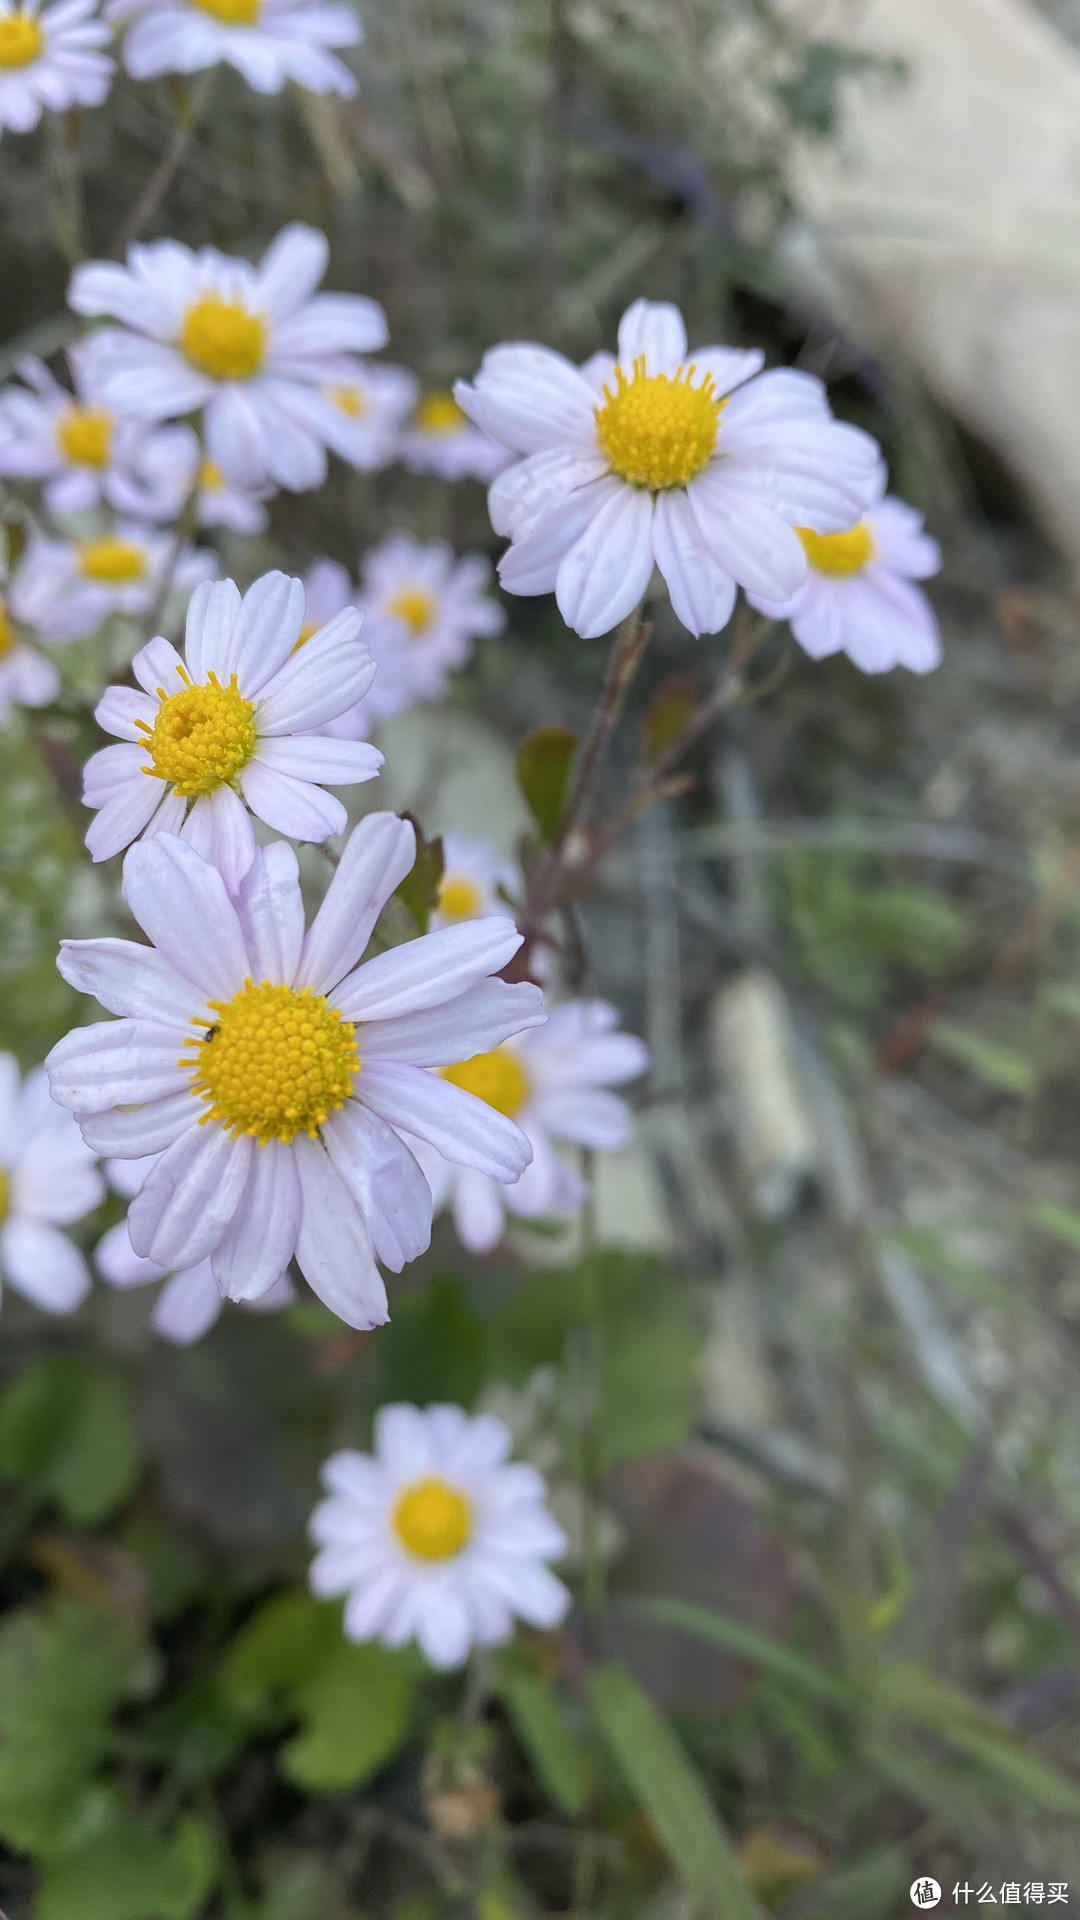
166,170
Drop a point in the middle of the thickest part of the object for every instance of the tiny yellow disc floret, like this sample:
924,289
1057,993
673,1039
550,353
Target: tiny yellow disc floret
222,338
496,1078
432,1520
21,40
657,431
459,897
440,413
115,563
275,1062
202,736
840,554
351,401
84,434
415,606
232,13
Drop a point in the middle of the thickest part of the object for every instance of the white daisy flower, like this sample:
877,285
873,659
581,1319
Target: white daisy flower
70,440
27,678
660,458
473,875
442,439
435,1537
555,1083
231,724
367,411
170,466
422,611
858,598
274,1075
190,1301
254,346
268,41
48,1178
49,58
65,589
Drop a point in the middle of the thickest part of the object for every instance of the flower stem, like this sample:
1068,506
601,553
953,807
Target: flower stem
187,123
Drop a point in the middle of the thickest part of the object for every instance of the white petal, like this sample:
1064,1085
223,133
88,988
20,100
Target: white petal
606,572
115,1063
119,708
385,1181
327,676
265,632
460,1127
291,268
479,1212
189,1196
589,1116
158,668
472,1022
702,594
295,807
525,490
211,616
43,1265
379,853
115,1257
528,397
271,913
130,979
332,763
444,1629
135,1132
653,328
122,817
219,828
532,564
181,905
728,367
333,1250
261,1239
428,971
748,539
187,1305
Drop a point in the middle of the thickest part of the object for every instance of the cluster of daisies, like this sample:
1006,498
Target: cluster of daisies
270,1097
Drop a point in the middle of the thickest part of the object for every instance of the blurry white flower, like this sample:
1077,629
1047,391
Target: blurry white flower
232,721
473,873
367,410
422,610
442,439
190,1301
328,590
858,598
254,346
48,1178
434,1537
274,1075
683,462
170,465
66,588
268,41
49,58
71,441
555,1083
27,678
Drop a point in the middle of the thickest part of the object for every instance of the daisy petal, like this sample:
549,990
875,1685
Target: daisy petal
129,979
384,1180
219,828
379,853
702,594
606,572
42,1264
655,329
458,1125
260,1240
333,1250
190,1195
181,905
429,971
472,1022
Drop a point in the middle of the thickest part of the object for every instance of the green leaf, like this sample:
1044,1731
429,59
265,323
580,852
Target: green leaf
284,1645
356,1711
735,1636
647,1752
541,1726
544,762
929,1246
870,1884
420,887
64,1668
667,714
131,1872
66,1429
1001,1066
926,1701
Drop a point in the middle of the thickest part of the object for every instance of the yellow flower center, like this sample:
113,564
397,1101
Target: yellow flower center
221,337
7,632
84,434
496,1078
459,897
20,40
5,1192
112,561
211,476
201,736
840,554
232,13
350,400
440,413
415,606
432,1520
274,1062
655,431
